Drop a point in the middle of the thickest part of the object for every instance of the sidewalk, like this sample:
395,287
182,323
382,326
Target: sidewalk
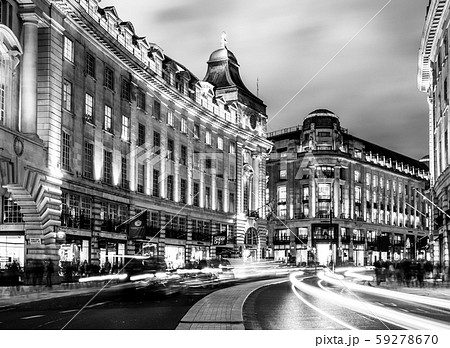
222,309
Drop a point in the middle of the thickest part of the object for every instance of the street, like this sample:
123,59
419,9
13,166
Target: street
112,309
322,306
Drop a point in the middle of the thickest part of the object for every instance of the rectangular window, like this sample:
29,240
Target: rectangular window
208,139
281,200
88,160
196,193
124,172
108,119
156,143
220,143
305,192
219,171
208,163
68,49
140,100
141,135
196,131
170,150
140,179
125,128
170,120
170,187
89,108
11,211
107,167
324,191
66,146
183,155
2,103
184,126
183,190
231,203
109,78
126,90
155,191
357,195
90,65
157,109
232,148
67,95
207,197
220,200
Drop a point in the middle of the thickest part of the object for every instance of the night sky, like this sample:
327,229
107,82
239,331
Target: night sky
288,47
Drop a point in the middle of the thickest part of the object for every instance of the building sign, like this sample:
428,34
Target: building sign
35,240
219,239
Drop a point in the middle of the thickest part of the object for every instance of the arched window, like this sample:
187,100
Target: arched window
10,50
251,237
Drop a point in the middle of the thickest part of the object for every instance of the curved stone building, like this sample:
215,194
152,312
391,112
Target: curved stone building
338,199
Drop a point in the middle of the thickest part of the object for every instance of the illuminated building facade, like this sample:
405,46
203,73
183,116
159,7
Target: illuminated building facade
120,128
432,78
339,199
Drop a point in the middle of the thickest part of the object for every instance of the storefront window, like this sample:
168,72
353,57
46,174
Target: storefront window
199,253
174,256
12,248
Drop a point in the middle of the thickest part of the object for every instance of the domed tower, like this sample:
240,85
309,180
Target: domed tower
247,130
321,131
223,74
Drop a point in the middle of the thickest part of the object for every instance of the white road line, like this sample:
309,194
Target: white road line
98,304
8,309
33,317
68,311
321,311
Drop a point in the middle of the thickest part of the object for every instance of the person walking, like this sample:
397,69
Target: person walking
50,271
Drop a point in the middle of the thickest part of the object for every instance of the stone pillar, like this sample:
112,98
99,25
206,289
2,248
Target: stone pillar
29,73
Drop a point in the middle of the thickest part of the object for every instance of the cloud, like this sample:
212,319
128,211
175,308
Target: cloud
371,83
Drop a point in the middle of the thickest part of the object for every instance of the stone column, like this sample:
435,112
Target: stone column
29,73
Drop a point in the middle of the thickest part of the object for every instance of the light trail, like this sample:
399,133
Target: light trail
430,301
309,304
404,320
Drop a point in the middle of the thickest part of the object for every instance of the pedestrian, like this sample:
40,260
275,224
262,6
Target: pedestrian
107,267
50,271
377,264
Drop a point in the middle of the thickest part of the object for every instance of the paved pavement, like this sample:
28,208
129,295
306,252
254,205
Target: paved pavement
222,309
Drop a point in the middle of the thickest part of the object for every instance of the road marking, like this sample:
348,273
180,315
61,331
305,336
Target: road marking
68,311
8,309
33,317
98,304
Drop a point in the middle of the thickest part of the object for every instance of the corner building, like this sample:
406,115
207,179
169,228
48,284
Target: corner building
432,79
108,127
338,199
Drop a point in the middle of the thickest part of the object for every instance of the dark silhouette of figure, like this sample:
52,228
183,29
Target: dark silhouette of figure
50,271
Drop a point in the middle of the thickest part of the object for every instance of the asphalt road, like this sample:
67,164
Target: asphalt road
280,307
112,309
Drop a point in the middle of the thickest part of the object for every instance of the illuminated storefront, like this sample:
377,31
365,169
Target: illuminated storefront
11,249
175,256
199,253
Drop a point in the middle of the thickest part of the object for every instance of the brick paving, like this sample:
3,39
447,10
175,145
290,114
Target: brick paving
222,309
